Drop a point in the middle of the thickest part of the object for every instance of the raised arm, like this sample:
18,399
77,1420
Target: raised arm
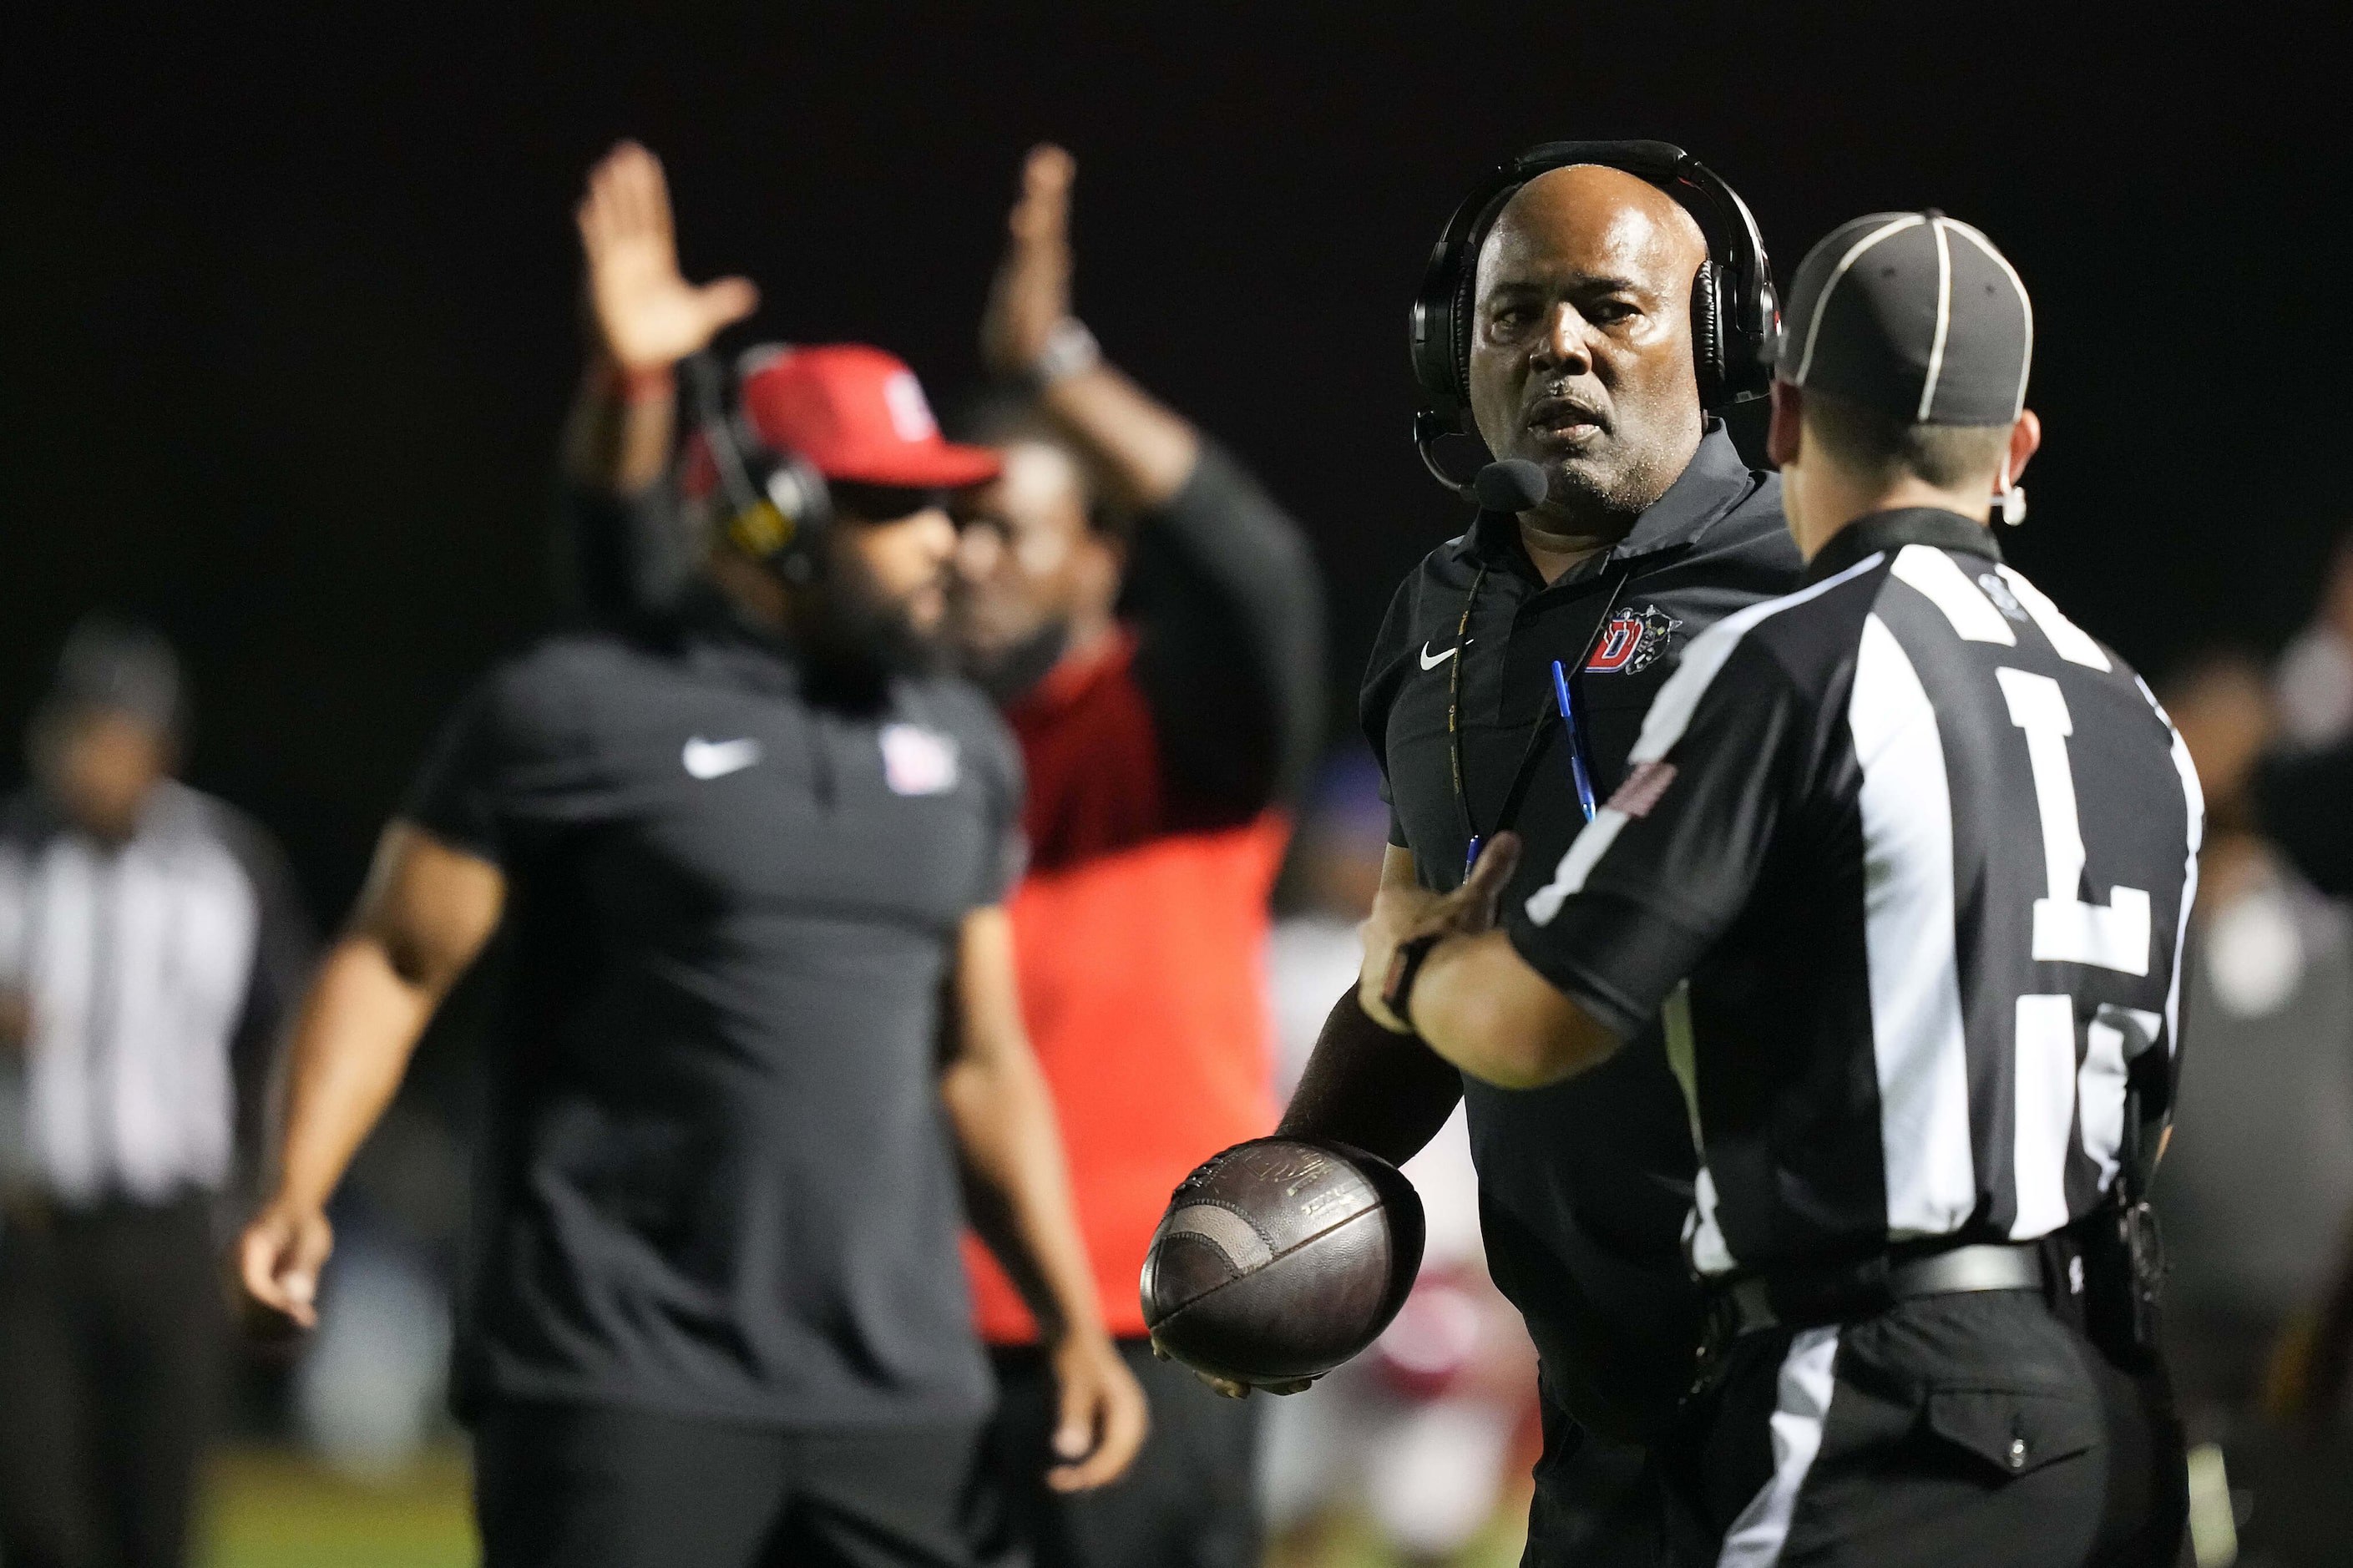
624,552
422,918
643,318
1220,579
1142,451
1019,1198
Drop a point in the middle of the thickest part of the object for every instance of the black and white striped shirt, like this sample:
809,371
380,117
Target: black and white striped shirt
1903,862
156,974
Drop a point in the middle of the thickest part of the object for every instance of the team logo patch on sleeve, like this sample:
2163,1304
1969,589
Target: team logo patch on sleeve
1632,640
1642,789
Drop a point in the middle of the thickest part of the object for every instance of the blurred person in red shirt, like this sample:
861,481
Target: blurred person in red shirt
1149,621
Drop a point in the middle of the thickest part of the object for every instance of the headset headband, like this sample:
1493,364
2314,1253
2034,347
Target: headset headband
775,504
1735,314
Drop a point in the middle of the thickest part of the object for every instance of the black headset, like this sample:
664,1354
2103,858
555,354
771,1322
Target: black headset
1736,316
774,505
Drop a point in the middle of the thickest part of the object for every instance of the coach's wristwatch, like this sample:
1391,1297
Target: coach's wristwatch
1071,350
1405,968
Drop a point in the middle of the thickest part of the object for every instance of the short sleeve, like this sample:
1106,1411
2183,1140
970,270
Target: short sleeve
1670,861
1379,690
1005,788
474,771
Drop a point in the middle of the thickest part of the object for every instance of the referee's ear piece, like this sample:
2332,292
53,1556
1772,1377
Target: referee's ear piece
2009,500
2025,441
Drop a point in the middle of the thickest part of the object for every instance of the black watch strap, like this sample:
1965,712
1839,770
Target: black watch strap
1405,968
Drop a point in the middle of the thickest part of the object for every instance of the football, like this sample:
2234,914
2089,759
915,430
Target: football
1281,1259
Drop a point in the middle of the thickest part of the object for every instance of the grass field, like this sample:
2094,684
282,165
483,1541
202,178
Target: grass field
270,1507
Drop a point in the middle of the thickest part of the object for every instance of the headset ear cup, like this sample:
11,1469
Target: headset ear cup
1459,326
1707,335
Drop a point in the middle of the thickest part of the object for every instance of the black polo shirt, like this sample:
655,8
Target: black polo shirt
717,1177
1584,1188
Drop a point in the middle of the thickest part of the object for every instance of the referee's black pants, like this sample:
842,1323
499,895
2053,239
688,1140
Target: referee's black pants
1974,1429
582,1486
113,1344
1188,1501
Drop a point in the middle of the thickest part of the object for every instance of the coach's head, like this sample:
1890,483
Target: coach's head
1901,378
847,538
1581,357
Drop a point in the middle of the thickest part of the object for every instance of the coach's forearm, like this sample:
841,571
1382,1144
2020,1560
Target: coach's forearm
358,1027
1143,450
1385,1094
1018,1191
1482,1007
617,436
422,917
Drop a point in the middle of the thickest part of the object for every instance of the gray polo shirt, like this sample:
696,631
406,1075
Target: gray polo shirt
717,1179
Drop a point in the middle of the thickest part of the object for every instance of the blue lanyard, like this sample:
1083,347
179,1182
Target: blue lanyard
1576,747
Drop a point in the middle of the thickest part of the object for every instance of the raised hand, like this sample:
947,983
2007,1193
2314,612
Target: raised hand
648,316
1031,292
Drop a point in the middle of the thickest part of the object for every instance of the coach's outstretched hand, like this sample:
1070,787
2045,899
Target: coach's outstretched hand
645,312
1233,1387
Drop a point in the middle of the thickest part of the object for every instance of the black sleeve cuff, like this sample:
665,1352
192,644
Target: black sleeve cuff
453,824
1614,957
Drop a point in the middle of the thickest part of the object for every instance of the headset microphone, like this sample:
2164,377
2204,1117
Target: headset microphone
1514,484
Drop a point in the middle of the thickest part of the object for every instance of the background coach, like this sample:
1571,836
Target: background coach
1585,354
761,1013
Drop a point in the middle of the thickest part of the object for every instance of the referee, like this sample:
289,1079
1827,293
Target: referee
1905,860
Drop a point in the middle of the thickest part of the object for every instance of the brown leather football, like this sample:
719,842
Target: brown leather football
1281,1259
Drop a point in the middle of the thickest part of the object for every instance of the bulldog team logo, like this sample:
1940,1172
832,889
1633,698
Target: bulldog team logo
1632,640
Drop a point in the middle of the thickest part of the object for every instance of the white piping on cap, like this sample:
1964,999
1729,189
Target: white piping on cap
2025,302
1822,305
1944,320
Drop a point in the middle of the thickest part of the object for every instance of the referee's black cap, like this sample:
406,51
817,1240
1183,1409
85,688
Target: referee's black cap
1916,315
113,664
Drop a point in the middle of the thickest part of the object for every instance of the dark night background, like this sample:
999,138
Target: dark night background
286,309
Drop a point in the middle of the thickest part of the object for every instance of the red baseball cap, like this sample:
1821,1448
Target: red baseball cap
858,414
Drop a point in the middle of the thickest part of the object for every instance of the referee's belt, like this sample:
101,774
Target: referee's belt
1808,1298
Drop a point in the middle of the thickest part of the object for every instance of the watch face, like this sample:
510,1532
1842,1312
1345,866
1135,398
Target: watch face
1394,981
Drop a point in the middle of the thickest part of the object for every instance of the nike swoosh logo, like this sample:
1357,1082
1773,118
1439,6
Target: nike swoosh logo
717,759
1431,662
